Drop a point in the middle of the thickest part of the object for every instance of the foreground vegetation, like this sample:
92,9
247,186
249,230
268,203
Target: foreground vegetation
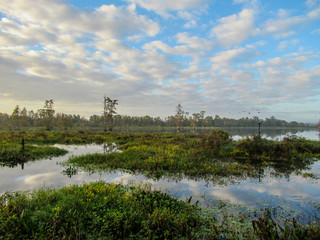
110,211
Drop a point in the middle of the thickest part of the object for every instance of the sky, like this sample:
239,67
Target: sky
232,58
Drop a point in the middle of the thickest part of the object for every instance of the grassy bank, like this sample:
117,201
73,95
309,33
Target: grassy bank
110,211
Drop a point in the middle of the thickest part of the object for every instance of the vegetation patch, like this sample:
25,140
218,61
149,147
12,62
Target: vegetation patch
97,211
12,154
211,156
110,211
169,155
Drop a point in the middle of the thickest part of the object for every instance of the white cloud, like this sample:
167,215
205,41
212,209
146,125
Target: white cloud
195,42
185,15
283,13
259,63
284,25
312,3
316,31
59,18
223,61
240,1
190,24
285,79
235,29
285,44
314,14
165,6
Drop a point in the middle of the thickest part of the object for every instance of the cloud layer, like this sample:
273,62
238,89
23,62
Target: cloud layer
206,55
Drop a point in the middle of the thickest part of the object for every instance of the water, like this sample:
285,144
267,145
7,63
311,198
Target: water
269,190
276,134
239,133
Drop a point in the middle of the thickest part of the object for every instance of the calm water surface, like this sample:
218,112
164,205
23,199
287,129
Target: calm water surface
268,190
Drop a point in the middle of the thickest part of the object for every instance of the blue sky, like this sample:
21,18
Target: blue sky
225,57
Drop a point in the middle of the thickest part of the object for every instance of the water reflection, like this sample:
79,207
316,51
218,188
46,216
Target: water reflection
238,133
267,185
70,171
15,163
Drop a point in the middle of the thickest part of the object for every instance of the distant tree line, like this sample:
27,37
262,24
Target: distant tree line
46,118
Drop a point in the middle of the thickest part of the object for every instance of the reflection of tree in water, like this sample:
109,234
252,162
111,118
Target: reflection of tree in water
14,163
70,171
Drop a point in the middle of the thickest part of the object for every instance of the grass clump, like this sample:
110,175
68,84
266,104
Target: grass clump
97,211
163,160
12,154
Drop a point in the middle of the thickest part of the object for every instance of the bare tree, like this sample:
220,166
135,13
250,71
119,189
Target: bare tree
109,109
179,117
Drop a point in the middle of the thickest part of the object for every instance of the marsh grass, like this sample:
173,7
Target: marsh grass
114,211
208,156
111,211
12,154
97,211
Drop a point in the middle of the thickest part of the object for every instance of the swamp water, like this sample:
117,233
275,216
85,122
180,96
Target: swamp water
269,189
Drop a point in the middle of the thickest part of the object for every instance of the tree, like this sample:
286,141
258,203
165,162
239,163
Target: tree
193,119
201,117
47,114
4,120
15,118
64,121
179,117
109,109
24,120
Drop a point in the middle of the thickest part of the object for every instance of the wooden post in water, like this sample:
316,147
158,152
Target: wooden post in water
22,145
22,150
259,127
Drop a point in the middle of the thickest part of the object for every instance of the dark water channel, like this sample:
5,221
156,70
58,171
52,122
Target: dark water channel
268,190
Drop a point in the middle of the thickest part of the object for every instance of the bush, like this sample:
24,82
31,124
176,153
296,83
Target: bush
214,141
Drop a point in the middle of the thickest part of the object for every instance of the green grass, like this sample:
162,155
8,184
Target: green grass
97,211
213,156
12,154
110,211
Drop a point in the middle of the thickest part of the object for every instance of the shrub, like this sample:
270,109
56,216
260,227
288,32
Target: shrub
212,142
